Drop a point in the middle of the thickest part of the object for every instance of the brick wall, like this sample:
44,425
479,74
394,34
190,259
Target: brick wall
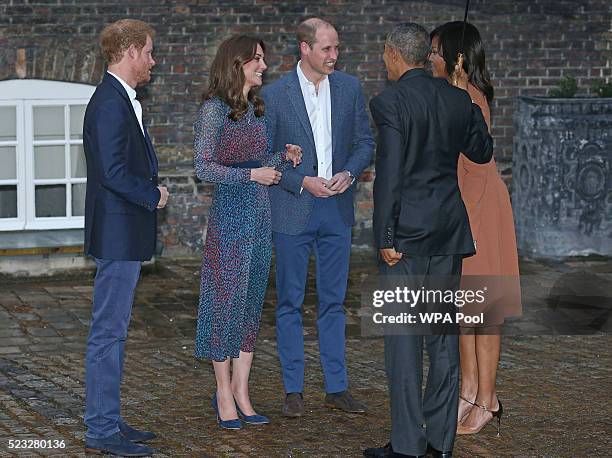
530,45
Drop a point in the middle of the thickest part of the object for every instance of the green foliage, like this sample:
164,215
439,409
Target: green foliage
602,89
567,88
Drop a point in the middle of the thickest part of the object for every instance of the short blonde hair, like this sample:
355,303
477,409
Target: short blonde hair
119,36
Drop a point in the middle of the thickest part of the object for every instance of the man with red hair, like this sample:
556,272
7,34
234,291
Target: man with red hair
120,226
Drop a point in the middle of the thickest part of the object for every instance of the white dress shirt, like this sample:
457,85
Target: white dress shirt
131,92
318,107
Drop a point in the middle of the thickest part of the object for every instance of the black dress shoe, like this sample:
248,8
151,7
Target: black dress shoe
386,452
437,453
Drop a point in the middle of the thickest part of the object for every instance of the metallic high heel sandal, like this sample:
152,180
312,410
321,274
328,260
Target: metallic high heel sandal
467,412
497,414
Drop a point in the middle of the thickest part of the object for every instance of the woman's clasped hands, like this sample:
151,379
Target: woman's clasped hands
268,176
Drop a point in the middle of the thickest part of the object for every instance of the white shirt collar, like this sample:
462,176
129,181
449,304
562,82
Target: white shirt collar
302,77
131,92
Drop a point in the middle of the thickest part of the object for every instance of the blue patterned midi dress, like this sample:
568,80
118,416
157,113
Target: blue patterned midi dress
238,245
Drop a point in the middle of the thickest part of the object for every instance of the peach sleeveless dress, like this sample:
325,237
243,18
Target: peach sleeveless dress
489,210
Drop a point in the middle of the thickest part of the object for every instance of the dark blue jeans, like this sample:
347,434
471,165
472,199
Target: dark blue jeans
113,296
330,238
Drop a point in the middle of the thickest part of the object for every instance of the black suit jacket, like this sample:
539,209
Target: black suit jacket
122,194
423,125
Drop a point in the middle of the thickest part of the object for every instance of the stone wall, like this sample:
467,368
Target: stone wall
530,45
563,180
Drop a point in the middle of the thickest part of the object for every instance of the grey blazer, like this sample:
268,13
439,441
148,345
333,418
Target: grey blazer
287,122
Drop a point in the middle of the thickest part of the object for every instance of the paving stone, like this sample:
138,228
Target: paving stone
548,383
8,350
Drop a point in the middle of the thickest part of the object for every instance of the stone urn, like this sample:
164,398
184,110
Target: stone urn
562,176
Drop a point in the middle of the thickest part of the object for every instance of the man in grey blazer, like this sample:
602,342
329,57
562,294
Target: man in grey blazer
323,111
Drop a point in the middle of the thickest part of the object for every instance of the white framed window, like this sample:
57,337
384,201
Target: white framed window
42,163
12,169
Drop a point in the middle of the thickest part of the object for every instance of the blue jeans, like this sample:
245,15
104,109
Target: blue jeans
113,295
330,238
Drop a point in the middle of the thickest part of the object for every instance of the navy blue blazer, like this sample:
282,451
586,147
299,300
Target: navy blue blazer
287,122
122,194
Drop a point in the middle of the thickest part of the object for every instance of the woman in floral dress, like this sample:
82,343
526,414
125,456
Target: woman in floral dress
232,151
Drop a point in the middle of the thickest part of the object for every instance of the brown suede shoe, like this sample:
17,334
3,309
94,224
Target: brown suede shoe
344,401
294,405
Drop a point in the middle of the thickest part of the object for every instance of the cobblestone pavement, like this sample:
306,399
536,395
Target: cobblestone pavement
555,389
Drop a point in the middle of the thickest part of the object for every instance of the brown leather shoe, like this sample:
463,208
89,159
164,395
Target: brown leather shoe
344,401
294,405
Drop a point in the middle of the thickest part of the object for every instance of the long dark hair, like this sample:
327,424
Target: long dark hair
474,62
226,78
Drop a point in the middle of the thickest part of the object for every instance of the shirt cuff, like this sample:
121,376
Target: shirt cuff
350,175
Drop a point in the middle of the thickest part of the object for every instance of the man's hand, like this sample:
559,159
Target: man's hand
163,199
390,256
266,176
340,182
294,154
317,186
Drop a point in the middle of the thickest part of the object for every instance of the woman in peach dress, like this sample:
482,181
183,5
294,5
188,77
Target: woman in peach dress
490,213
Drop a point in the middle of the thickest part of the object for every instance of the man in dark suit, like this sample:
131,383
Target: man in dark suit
120,226
323,111
421,229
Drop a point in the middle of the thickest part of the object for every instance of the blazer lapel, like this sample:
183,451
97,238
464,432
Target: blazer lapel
294,94
335,93
117,85
148,146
